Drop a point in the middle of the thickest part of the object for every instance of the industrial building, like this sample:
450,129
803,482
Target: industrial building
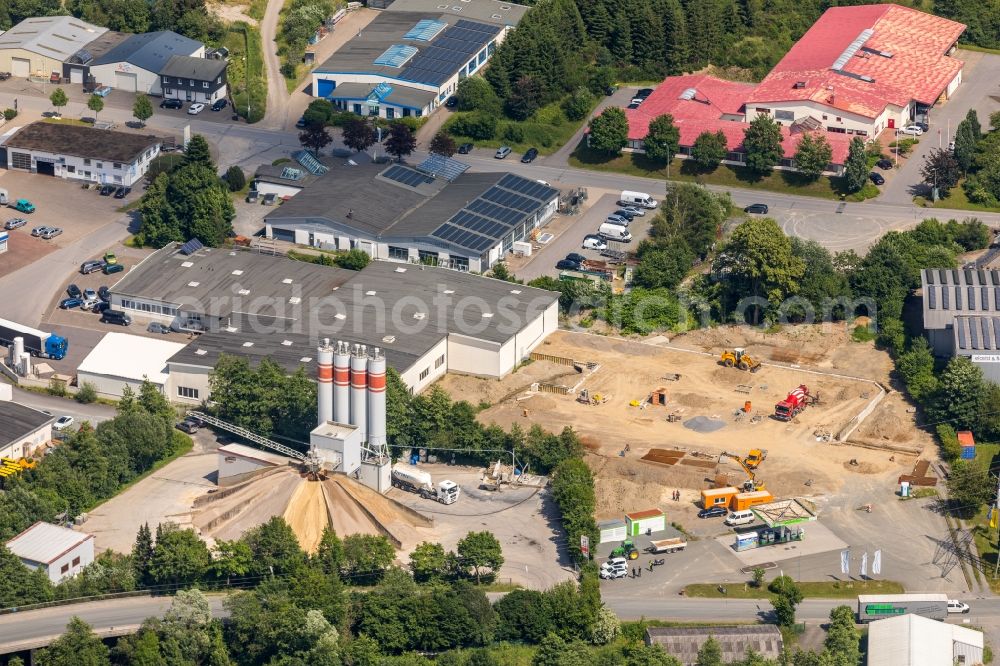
425,320
121,360
136,64
913,640
410,59
39,46
81,153
684,642
22,429
961,314
59,551
434,213
194,79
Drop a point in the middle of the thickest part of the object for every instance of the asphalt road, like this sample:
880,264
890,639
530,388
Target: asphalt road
59,406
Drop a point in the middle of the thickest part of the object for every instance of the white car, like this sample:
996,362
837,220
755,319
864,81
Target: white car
51,232
616,567
915,130
38,231
956,606
62,423
195,109
594,244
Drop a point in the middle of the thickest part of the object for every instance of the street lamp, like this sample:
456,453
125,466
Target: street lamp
246,69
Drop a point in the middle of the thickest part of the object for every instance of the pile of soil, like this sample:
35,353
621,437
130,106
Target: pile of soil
704,424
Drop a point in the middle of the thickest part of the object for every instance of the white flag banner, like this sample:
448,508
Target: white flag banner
864,565
845,561
877,563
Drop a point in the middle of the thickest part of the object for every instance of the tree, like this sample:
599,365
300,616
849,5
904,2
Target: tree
662,140
916,367
606,628
443,144
427,562
315,138
275,547
142,110
318,112
709,149
22,586
957,398
856,168
179,556
813,155
358,134
330,552
96,104
235,178
197,152
758,577
352,260
480,550
142,553
231,559
609,131
366,556
475,94
525,98
648,655
970,486
664,268
476,125
941,170
784,611
578,104
789,595
842,637
58,99
401,141
762,144
87,393
710,653
965,146
78,646
973,119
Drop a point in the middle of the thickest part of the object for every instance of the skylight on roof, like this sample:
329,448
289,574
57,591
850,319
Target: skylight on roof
200,352
187,264
305,359
248,344
193,284
852,48
688,93
286,343
425,30
396,55
237,272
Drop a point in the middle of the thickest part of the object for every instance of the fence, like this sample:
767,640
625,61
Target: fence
561,360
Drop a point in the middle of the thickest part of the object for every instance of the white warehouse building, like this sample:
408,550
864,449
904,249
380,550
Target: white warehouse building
426,320
121,360
135,65
81,153
59,551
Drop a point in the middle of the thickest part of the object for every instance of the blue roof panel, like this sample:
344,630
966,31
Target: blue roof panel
396,55
425,30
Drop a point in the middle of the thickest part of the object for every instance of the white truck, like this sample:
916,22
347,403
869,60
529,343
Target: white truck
418,481
642,199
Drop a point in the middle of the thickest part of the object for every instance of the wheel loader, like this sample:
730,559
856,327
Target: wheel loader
740,359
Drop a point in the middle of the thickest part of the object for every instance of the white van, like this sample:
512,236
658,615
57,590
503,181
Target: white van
629,198
744,517
615,232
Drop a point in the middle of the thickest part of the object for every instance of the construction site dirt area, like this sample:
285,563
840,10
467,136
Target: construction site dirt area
643,448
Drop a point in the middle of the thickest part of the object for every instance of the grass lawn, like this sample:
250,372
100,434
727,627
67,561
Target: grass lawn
816,590
637,164
956,199
67,121
547,130
243,42
985,538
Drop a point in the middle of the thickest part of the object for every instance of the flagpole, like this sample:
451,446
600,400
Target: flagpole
997,508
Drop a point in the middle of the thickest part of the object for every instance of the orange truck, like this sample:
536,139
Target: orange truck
734,500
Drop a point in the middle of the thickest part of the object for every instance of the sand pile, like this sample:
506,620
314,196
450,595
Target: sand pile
307,515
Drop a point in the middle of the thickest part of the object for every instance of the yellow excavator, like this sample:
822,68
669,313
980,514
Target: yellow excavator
739,358
749,465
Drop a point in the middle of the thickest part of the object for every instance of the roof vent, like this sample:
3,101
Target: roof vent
237,272
294,300
515,291
248,344
449,291
187,264
244,292
688,93
389,339
287,281
496,16
799,85
233,253
419,315
866,78
305,359
200,352
442,6
340,315
400,269
230,329
193,284
487,315
505,8
286,343
456,9
371,292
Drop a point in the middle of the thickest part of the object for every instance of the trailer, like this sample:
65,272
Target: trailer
36,343
408,477
666,545
873,607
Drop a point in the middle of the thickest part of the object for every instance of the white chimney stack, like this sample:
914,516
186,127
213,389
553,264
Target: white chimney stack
342,383
359,390
324,377
376,400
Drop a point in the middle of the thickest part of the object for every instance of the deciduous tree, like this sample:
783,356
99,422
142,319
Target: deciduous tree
367,556
78,646
609,131
762,143
358,134
709,150
179,556
480,551
970,486
662,140
96,104
315,137
427,562
941,170
58,99
401,141
443,144
710,653
856,168
813,155
142,109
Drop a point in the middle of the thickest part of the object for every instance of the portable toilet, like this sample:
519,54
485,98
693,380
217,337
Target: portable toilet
904,488
639,522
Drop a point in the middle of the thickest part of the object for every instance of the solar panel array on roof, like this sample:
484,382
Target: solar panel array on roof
312,165
439,61
425,30
406,176
291,173
932,297
191,246
443,167
396,55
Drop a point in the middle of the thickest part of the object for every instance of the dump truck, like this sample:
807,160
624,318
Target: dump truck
739,358
873,607
791,406
666,545
418,481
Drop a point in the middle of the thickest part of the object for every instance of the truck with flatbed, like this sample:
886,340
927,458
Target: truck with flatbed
873,607
36,343
666,545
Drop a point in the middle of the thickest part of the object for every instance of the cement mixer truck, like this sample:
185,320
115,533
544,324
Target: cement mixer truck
418,481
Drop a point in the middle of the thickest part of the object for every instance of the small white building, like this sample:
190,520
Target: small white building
61,552
120,360
639,522
82,153
612,530
339,444
237,463
22,429
914,640
137,63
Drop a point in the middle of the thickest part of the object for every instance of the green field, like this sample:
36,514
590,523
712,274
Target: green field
956,199
813,590
249,93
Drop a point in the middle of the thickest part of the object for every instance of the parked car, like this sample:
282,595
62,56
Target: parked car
171,103
38,231
51,233
62,423
301,122
122,192
956,606
4,76
577,257
884,163
110,258
615,219
102,91
633,105
502,152
73,291
567,265
187,325
88,305
915,130
92,266
89,294
252,196
115,317
195,109
24,206
759,209
634,210
15,223
190,427
70,303
270,199
111,269
451,102
713,512
529,155
876,178
594,243
637,100
643,93
951,146
922,125
465,149
101,306
104,294
107,190
219,104
621,212
157,327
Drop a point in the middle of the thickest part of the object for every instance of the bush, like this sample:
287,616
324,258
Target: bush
862,334
476,125
578,104
551,115
57,387
513,132
235,178
163,164
9,114
950,448
87,393
341,118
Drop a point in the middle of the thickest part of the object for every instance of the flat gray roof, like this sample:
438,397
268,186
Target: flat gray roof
434,61
948,293
292,175
82,141
58,37
151,50
401,95
489,11
18,421
212,280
